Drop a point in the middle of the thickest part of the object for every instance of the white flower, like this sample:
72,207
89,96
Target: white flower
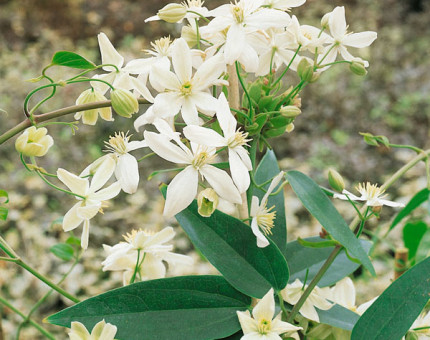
91,197
183,188
101,331
34,142
192,7
151,251
233,139
421,326
181,91
343,293
308,37
263,325
317,298
371,193
120,78
342,39
90,116
263,217
283,5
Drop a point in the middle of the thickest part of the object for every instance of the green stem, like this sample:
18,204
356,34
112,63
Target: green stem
91,79
282,305
244,90
410,147
288,67
136,267
197,33
201,16
242,114
49,335
146,156
54,90
334,63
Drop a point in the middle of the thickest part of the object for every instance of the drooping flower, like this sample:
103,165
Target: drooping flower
149,249
91,116
183,188
263,217
317,298
101,331
264,325
34,142
233,139
91,196
175,13
371,193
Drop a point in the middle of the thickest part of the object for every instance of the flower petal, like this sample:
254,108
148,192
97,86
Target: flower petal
239,171
222,183
102,174
261,239
71,220
109,54
127,173
85,234
360,40
265,308
337,22
162,146
107,193
204,136
76,184
181,60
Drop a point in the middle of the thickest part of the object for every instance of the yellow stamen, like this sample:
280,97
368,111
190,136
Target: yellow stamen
118,143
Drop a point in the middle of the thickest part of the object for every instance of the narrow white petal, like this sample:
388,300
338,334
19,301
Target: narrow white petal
167,104
189,112
344,293
337,22
205,102
109,54
87,212
249,58
265,308
139,66
181,191
153,268
234,44
222,183
162,79
127,173
140,87
162,146
247,323
308,311
208,72
225,118
360,40
107,193
71,220
266,18
281,327
181,60
391,203
261,239
85,234
76,184
244,156
204,136
239,171
163,236
103,174
134,145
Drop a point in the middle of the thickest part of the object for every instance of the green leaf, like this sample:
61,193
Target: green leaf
412,234
393,313
63,251
338,316
231,247
317,203
71,59
414,203
73,241
179,308
4,197
267,169
423,250
301,259
3,213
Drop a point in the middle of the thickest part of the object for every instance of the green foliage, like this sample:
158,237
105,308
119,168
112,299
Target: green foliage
71,59
4,199
317,203
63,251
392,314
267,169
413,233
231,247
185,308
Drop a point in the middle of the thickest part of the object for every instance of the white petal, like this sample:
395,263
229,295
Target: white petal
139,66
309,311
344,293
167,104
281,327
239,171
244,156
109,53
162,146
360,40
391,203
204,136
261,239
225,118
265,308
102,174
174,258
249,58
221,182
127,173
205,102
107,193
71,220
266,18
85,234
208,72
162,79
142,89
181,60
189,112
134,145
163,236
76,184
181,191
247,323
337,23
87,212
102,87
153,267
234,44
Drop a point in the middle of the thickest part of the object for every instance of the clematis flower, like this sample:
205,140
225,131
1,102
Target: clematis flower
90,117
181,91
34,142
90,197
183,188
188,10
342,39
371,193
262,217
317,298
149,249
120,78
263,325
101,331
283,5
233,139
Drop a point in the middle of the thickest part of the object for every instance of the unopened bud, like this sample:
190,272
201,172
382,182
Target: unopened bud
325,20
315,77
207,202
123,102
289,128
34,142
357,67
290,111
190,35
305,70
335,180
411,336
377,209
172,13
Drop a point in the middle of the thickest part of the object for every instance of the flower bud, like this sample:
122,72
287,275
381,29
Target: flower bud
90,117
357,67
172,13
325,20
289,128
290,111
34,142
123,102
305,70
335,180
412,336
207,202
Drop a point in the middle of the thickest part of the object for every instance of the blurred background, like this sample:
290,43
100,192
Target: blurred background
392,100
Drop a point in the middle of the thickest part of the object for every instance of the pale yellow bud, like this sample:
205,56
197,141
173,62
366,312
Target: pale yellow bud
357,67
207,202
325,19
290,111
34,142
172,13
335,180
289,128
90,117
305,70
124,103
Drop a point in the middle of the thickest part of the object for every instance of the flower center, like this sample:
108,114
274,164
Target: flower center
201,158
237,12
161,47
369,191
238,139
264,326
186,88
193,3
118,143
265,220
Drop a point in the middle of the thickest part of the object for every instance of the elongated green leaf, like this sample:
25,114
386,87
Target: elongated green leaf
392,314
71,59
231,247
317,203
180,308
414,203
423,250
3,213
267,169
412,234
63,251
338,316
301,259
